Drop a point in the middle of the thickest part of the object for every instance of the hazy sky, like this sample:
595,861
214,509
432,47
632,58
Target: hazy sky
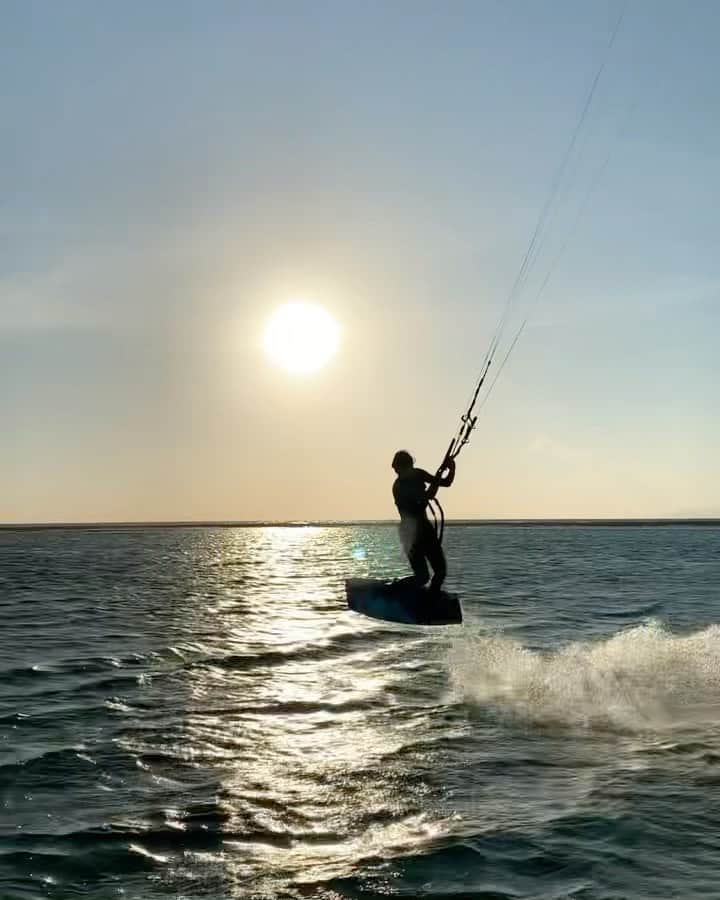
170,172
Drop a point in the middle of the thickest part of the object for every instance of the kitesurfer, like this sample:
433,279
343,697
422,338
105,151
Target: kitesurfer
417,534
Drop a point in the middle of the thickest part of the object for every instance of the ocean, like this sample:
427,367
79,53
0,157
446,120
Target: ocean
193,713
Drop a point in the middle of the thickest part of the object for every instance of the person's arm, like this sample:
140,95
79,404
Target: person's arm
432,483
449,468
443,478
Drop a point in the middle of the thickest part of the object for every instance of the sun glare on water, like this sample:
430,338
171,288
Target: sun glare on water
301,337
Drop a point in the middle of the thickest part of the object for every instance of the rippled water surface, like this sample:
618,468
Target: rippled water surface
192,712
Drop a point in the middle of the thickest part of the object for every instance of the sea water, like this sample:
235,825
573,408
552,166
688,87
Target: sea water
193,712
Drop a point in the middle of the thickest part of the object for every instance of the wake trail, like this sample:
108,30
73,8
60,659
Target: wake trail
643,678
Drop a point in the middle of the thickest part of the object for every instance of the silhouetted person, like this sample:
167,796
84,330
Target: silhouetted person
417,534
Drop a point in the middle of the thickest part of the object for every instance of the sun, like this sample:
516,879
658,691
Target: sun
301,337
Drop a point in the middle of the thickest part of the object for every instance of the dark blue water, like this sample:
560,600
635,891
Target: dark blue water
193,713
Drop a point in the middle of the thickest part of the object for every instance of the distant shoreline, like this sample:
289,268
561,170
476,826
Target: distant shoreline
453,523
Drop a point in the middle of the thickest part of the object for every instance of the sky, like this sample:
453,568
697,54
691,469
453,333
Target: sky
171,173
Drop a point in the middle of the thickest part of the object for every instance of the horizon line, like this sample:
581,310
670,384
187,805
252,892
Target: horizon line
349,523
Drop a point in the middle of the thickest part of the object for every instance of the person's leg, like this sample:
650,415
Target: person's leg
436,557
412,540
416,557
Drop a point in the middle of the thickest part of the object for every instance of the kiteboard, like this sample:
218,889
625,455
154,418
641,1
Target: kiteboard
402,601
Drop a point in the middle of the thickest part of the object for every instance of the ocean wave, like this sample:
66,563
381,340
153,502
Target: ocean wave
644,677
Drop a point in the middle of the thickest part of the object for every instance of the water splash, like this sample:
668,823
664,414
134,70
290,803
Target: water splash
641,678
